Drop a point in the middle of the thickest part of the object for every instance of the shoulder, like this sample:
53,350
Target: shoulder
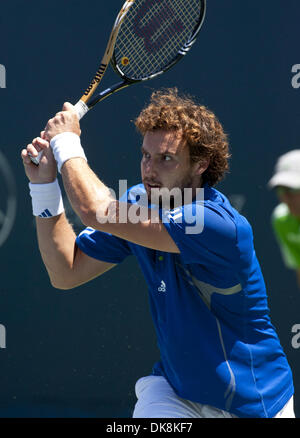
235,228
218,206
207,219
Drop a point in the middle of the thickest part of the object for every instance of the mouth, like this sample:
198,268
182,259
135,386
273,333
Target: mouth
151,185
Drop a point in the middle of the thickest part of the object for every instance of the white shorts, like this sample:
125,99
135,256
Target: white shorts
156,399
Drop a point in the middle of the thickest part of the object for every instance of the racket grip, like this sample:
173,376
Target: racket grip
81,109
36,160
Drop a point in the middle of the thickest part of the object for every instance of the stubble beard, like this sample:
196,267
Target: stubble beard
186,183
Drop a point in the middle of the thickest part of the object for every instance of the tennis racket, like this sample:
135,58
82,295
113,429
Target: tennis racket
148,38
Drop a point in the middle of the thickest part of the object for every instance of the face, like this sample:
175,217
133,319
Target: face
166,162
291,197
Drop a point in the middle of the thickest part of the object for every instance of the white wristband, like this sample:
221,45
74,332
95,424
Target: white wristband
46,199
66,146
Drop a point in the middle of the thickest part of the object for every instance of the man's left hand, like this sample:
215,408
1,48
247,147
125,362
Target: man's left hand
64,121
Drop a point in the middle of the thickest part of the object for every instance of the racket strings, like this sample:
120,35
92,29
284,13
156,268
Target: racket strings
158,19
152,34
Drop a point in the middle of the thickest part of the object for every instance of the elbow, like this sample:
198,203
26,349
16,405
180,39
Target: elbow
88,220
100,214
62,284
88,217
62,287
62,277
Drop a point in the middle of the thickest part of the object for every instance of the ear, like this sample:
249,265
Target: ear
201,166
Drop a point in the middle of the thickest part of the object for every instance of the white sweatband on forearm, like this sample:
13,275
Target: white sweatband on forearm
66,146
46,199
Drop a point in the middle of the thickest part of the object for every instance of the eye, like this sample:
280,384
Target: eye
145,154
167,158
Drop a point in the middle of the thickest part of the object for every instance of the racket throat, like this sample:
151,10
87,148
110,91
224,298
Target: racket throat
105,93
95,82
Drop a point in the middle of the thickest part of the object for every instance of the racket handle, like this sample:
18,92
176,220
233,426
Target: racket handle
81,109
36,160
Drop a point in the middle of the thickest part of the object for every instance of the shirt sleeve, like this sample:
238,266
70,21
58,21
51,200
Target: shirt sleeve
203,233
103,246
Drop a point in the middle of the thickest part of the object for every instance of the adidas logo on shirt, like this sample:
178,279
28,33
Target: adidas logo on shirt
162,287
45,213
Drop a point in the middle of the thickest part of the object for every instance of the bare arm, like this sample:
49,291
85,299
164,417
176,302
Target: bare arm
91,199
67,266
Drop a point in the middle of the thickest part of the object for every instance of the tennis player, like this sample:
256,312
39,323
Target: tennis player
286,216
220,355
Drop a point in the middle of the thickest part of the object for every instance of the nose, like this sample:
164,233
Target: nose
149,168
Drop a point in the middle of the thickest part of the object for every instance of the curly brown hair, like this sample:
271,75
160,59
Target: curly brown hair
200,128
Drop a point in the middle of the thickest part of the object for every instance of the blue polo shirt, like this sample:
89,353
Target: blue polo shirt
209,307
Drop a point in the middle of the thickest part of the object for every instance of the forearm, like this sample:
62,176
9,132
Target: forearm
86,193
56,240
88,196
67,265
91,199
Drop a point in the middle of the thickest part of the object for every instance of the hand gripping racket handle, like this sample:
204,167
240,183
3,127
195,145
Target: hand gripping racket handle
81,109
81,106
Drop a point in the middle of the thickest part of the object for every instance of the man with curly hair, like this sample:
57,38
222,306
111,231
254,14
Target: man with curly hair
220,354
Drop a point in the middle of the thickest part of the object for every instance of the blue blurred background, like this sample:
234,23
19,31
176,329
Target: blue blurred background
79,353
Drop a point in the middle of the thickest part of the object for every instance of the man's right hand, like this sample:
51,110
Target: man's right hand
46,171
